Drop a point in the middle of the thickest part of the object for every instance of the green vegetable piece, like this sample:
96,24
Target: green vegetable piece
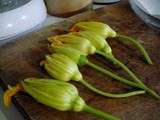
97,27
54,93
73,41
62,67
136,43
98,41
72,53
61,96
135,78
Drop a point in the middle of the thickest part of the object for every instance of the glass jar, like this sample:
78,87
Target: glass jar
66,8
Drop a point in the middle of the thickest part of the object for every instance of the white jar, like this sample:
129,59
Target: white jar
15,20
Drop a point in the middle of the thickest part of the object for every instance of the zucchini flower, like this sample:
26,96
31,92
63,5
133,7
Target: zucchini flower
59,95
86,47
104,50
107,53
97,27
81,59
96,40
105,31
68,40
60,66
84,41
72,53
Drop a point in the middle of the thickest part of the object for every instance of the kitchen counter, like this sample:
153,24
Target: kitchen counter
12,113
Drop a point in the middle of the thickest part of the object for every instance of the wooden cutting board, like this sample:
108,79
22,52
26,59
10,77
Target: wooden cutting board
20,59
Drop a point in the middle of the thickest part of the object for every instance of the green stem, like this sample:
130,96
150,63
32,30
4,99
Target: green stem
113,75
118,95
98,113
151,92
135,78
116,61
124,38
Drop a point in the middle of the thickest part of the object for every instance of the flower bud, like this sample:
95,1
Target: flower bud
98,41
75,42
72,53
57,94
62,67
103,29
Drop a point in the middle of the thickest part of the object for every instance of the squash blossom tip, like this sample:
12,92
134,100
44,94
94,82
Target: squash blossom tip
74,29
78,105
50,39
77,76
92,50
8,94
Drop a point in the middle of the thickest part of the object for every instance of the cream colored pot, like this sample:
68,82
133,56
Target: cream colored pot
62,7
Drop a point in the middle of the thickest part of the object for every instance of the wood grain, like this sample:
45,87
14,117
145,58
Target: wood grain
20,59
